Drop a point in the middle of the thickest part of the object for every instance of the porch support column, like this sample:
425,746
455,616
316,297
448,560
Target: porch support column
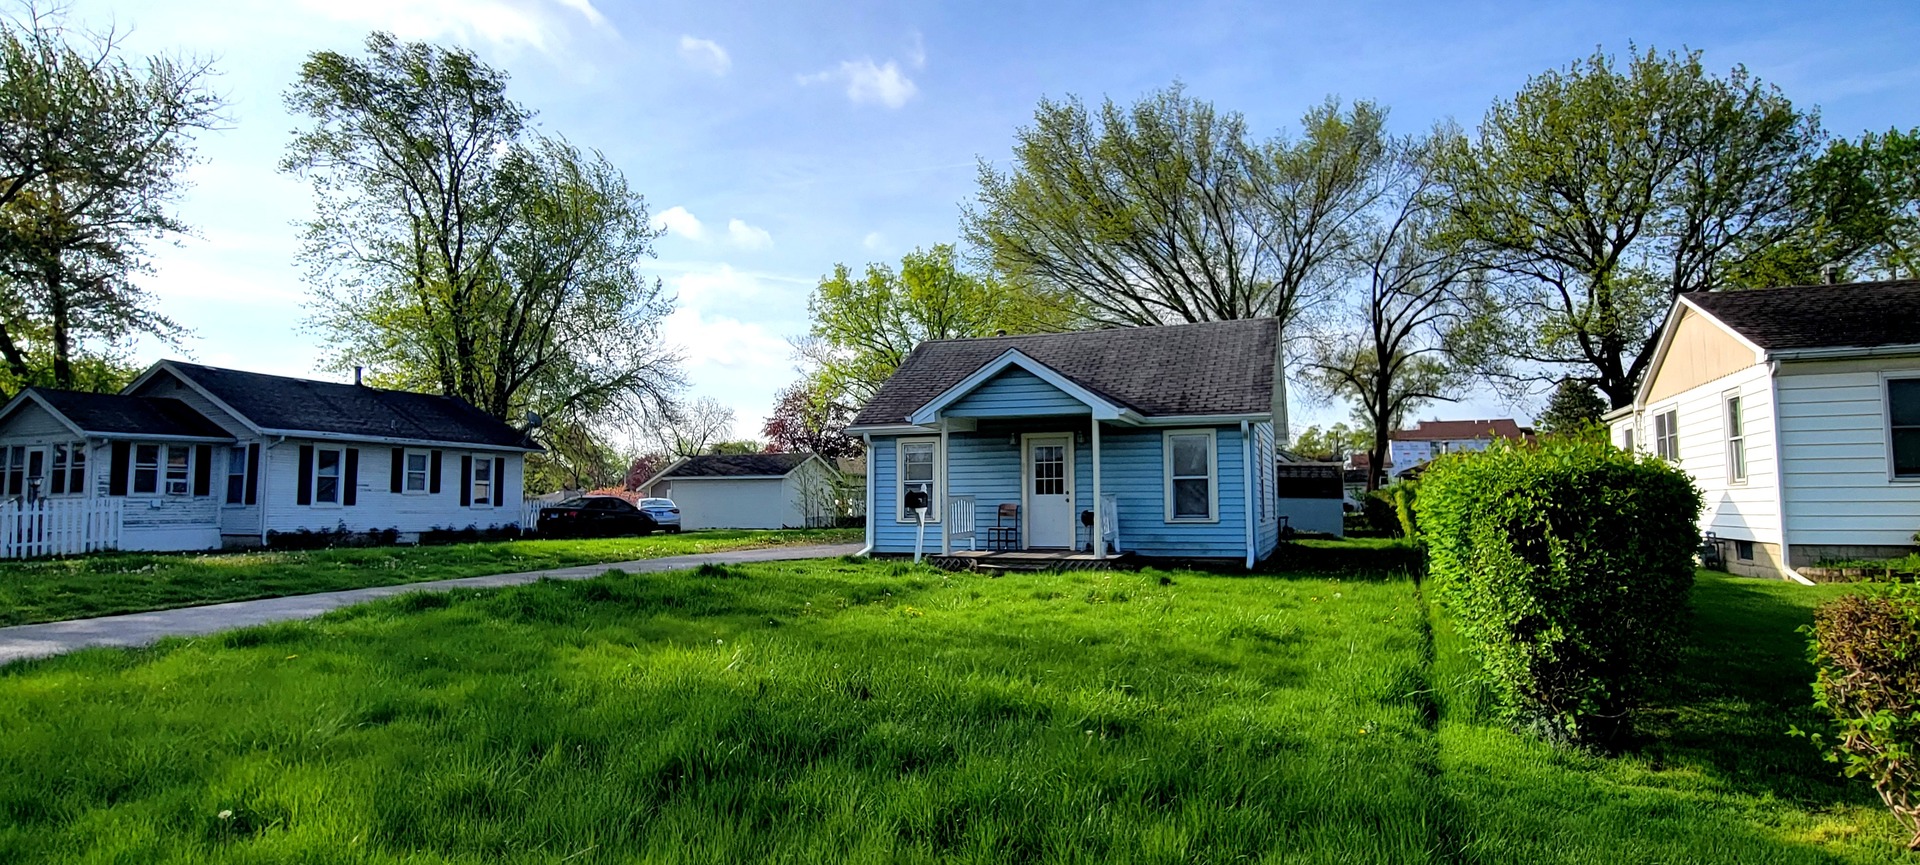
1099,503
940,489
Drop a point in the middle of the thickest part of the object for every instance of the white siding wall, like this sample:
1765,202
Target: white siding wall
734,503
1739,511
1833,426
376,506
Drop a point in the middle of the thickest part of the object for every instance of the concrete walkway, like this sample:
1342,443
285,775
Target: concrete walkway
138,629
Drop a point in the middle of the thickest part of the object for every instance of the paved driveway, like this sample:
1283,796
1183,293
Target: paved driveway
139,629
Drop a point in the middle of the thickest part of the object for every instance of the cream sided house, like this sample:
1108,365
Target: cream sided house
193,457
1159,441
1797,412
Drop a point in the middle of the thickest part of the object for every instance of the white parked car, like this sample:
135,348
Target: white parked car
664,513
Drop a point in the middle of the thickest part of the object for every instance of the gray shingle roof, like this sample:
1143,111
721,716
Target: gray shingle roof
282,403
114,414
736,465
1223,367
1852,315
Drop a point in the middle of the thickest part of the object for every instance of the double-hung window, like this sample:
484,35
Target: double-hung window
482,483
918,457
1666,435
146,469
1903,411
1736,441
179,458
237,475
414,470
326,476
1192,476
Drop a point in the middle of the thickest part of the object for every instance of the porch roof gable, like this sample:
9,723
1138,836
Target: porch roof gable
1100,406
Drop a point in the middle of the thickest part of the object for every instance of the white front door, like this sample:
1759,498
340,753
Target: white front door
1049,493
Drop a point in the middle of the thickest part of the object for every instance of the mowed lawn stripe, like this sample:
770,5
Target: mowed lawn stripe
53,590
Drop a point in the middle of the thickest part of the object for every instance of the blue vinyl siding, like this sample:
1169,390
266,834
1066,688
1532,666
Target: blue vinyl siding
1267,529
986,466
1016,393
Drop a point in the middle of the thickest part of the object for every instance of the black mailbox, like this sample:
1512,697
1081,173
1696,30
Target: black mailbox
916,499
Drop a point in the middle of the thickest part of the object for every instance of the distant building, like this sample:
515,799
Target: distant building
1412,448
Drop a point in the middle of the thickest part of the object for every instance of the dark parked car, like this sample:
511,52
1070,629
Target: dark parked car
600,516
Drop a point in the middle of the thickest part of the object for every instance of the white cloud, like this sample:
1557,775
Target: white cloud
873,241
747,236
742,363
917,55
866,82
680,223
538,24
705,55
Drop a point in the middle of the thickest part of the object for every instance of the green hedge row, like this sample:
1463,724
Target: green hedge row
1566,568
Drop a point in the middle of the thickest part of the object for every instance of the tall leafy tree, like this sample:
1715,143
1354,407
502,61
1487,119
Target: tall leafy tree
94,150
1574,408
805,420
1861,206
865,324
1398,347
1332,444
451,249
1168,211
1597,193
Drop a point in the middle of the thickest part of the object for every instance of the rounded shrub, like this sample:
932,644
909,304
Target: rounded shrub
1867,647
1566,567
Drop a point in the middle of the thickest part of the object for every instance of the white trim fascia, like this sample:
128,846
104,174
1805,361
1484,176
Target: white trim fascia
891,429
1102,408
443,444
1846,352
867,442
682,478
1200,419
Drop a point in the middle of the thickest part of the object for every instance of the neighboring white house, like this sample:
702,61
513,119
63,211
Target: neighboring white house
748,491
1797,412
201,457
1411,448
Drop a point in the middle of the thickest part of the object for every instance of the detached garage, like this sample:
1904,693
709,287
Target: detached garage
747,491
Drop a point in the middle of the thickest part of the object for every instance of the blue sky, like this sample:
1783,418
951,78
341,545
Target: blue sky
775,139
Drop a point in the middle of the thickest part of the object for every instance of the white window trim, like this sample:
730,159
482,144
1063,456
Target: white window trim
339,488
226,477
159,469
1886,423
474,499
1727,401
426,474
900,512
1213,476
1653,423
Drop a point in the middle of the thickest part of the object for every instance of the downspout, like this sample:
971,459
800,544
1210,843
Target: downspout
1780,476
867,440
1246,487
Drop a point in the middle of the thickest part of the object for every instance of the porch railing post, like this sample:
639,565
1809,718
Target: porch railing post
1099,502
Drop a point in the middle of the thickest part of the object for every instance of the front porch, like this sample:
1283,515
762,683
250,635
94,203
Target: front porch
1001,561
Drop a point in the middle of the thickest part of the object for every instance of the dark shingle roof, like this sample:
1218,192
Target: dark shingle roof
114,414
1853,315
1223,367
736,465
281,403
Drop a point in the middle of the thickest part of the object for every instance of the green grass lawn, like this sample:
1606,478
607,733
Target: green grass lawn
843,711
50,590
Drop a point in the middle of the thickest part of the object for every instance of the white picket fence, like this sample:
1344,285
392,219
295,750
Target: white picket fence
59,527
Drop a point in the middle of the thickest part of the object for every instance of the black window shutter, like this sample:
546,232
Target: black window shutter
304,494
499,481
122,461
203,470
253,473
466,480
433,474
399,465
351,494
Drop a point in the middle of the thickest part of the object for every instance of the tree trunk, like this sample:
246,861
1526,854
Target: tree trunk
60,308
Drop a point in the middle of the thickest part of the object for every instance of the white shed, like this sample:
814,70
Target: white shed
748,491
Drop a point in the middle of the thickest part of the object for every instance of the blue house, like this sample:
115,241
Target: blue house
1163,437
